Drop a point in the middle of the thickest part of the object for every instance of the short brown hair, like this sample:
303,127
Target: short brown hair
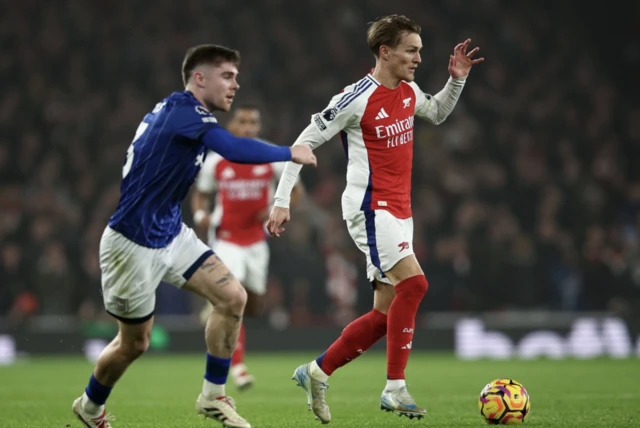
389,31
207,54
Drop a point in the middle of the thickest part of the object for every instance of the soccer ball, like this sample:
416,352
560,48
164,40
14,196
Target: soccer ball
504,401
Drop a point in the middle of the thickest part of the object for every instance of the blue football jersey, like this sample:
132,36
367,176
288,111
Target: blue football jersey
161,164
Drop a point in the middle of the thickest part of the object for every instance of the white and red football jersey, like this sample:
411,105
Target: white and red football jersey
243,193
376,127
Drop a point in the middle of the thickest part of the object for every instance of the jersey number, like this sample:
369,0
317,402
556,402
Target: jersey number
127,164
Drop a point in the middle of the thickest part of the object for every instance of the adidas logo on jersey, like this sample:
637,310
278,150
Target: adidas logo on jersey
382,114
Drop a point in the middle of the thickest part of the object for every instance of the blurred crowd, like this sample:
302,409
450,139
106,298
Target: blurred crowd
528,196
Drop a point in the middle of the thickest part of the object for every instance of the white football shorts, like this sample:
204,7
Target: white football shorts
131,273
249,264
383,238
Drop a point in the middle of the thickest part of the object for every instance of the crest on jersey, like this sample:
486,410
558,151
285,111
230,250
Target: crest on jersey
202,111
228,173
208,117
120,304
407,102
260,170
158,107
330,114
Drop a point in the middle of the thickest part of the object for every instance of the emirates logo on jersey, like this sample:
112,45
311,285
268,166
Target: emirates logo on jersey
398,133
243,189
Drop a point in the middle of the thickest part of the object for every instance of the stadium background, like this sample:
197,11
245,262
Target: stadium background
526,201
526,204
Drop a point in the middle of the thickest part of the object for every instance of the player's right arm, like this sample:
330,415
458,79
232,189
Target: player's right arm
196,123
337,116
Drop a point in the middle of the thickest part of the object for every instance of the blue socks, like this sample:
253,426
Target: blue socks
217,369
97,392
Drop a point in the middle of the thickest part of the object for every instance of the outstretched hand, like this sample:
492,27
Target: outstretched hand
460,62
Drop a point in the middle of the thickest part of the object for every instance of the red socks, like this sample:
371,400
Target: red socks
238,353
355,339
362,333
401,323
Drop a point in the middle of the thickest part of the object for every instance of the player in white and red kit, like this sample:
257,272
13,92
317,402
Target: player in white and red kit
244,193
375,118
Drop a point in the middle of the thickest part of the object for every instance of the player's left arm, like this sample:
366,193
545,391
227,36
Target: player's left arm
338,115
437,108
298,191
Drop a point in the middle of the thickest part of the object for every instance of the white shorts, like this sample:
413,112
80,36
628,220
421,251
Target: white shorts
131,273
384,239
249,264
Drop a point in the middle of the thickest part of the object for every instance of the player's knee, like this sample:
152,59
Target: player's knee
239,300
421,285
139,347
133,340
424,285
234,301
135,347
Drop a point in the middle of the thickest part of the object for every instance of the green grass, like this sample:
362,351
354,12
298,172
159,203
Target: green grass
161,392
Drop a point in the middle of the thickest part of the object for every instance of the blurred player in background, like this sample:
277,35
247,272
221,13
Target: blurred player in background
236,227
375,119
146,241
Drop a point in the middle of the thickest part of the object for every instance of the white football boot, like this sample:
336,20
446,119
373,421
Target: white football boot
223,410
315,392
401,403
91,421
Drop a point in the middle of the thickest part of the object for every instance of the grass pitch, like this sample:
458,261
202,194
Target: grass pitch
160,391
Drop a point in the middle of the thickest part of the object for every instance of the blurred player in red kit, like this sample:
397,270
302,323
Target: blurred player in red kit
235,228
375,118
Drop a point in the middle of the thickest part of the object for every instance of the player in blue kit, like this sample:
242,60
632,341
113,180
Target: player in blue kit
146,242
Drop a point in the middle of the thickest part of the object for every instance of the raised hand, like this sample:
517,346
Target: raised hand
460,62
